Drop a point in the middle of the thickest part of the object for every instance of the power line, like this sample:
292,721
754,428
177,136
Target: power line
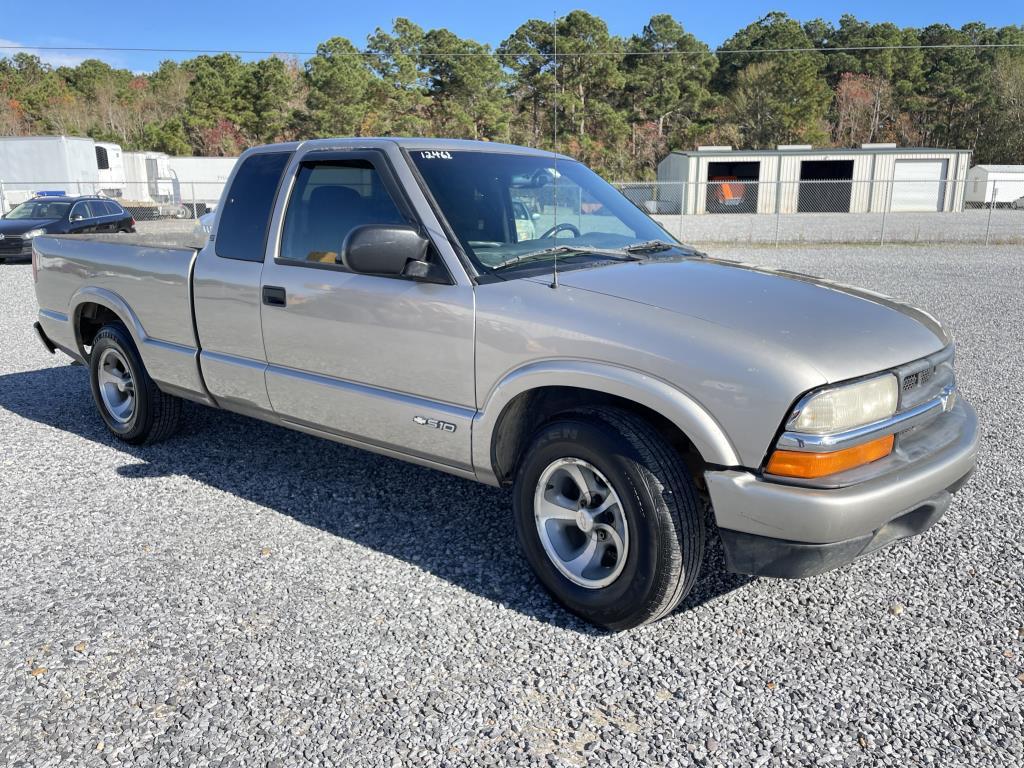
513,54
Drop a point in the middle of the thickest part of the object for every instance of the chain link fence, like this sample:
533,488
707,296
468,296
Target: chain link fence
835,211
820,211
171,208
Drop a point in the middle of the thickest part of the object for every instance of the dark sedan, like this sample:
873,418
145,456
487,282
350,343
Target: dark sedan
59,215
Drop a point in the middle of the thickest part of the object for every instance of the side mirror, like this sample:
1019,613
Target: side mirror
386,249
535,216
78,217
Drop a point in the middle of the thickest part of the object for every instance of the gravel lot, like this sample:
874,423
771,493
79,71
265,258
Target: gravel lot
243,595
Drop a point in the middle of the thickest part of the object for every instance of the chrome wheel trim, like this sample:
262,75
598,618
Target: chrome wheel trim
116,385
581,523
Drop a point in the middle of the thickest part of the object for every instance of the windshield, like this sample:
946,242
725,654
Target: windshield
509,210
39,209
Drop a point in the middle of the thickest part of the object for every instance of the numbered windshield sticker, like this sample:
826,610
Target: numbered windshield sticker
435,155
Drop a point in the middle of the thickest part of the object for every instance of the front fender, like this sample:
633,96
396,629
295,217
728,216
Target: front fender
682,410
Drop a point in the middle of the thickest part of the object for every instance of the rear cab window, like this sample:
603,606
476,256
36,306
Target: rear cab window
245,218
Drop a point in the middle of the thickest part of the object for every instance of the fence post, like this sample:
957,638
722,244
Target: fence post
682,196
991,207
885,209
3,199
887,202
778,210
195,204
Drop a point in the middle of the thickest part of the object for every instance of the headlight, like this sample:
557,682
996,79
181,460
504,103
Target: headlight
33,233
846,407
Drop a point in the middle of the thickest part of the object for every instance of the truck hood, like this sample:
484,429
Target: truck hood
842,331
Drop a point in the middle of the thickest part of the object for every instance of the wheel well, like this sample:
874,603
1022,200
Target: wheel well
529,410
92,317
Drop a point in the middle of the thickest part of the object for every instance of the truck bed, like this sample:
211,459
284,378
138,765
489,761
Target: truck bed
143,278
164,240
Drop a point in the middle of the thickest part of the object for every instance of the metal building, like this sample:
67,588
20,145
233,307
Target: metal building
801,179
994,184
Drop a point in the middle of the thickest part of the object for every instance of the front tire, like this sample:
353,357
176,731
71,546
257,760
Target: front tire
130,404
608,517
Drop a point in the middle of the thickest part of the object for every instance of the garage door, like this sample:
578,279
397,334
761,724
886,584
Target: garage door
918,185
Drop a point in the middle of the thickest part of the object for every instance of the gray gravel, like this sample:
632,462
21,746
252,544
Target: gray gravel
243,595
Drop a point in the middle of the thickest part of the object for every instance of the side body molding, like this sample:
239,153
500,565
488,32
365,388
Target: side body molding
174,367
686,413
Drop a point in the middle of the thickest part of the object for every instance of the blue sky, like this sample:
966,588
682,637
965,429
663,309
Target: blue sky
298,25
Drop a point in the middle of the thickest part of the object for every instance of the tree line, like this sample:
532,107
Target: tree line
619,104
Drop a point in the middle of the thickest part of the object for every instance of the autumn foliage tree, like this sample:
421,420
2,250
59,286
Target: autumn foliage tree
864,110
618,103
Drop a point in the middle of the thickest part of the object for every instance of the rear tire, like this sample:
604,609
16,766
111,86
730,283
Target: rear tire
646,505
130,404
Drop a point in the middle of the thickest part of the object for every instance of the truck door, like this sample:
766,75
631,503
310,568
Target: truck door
226,286
386,362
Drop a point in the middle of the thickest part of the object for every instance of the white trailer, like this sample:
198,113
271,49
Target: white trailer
110,168
999,184
150,187
199,181
31,164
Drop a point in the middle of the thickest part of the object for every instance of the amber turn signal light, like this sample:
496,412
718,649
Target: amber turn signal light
805,464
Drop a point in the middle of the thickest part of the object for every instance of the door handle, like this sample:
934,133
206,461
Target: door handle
274,296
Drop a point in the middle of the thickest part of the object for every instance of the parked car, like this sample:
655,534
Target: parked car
376,292
204,224
1018,204
59,214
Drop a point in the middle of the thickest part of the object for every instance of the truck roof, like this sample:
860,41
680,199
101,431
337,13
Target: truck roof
449,145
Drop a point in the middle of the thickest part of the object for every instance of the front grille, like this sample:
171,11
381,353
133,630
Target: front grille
9,245
924,380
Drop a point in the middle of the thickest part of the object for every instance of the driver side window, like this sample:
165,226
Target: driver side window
329,200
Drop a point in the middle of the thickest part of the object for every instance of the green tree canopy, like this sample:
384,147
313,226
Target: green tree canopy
339,85
776,93
618,104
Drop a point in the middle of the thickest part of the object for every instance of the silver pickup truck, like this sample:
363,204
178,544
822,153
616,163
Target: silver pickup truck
388,294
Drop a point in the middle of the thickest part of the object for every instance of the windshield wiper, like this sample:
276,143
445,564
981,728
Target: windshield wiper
618,255
650,246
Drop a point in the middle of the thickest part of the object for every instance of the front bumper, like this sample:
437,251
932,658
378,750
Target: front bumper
22,250
775,529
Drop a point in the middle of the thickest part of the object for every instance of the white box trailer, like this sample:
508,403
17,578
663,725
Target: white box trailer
1001,184
149,187
199,181
148,177
110,168
31,164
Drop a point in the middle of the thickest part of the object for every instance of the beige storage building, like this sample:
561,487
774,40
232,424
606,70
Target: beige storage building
801,179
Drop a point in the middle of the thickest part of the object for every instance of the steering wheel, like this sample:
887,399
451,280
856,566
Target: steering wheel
565,226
